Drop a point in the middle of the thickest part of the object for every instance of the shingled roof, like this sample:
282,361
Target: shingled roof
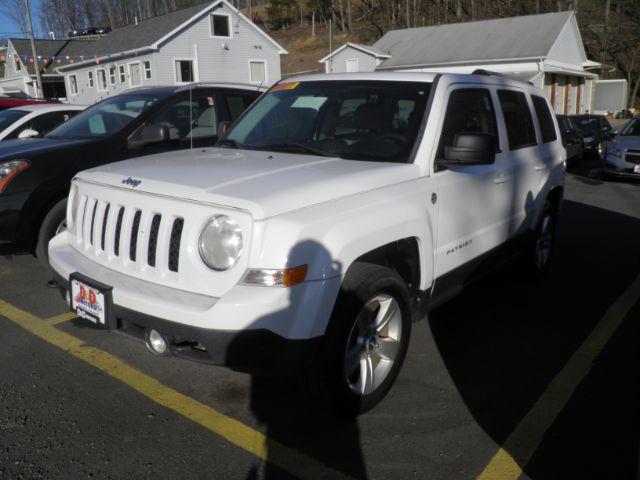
145,33
529,36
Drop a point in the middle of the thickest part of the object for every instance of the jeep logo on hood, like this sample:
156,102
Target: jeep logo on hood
130,181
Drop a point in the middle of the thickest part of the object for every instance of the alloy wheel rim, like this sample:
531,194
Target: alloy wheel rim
373,345
544,242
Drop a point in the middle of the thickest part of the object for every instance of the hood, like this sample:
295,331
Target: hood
264,183
30,147
627,141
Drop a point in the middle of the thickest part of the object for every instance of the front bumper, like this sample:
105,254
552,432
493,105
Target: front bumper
11,205
262,330
618,167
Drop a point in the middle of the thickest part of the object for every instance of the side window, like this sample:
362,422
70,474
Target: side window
188,119
237,103
547,128
47,122
468,111
517,118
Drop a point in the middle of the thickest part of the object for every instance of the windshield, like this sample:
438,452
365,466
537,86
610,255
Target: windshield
9,117
363,120
105,118
590,124
632,128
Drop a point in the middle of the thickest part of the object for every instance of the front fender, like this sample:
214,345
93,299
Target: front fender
330,237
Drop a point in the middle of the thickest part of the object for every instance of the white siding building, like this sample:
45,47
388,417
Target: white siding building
545,49
211,42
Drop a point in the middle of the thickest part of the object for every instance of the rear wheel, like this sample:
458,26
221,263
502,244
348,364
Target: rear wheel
543,242
366,341
54,223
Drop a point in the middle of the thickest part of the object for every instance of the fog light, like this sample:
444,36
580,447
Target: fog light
156,342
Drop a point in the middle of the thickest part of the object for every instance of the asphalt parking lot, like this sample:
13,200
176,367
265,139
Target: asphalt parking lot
514,379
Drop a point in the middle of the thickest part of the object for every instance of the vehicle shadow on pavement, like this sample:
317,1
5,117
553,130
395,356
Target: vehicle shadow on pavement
506,338
292,415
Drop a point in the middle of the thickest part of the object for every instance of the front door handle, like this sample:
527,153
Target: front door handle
540,167
500,178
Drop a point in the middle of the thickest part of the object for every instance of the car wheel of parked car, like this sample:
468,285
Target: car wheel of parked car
543,242
366,340
54,222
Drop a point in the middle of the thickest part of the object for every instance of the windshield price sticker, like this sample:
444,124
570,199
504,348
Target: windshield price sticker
285,86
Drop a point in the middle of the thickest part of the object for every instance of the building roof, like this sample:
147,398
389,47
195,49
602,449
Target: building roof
45,48
524,37
371,50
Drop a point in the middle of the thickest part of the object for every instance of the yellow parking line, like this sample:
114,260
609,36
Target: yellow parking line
65,317
518,449
239,434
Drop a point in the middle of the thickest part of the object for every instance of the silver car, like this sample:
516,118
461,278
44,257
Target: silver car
622,156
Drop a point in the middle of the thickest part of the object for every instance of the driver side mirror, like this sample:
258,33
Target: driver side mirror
470,149
223,128
29,133
149,135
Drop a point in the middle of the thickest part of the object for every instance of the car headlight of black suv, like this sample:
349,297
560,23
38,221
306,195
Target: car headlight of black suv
9,170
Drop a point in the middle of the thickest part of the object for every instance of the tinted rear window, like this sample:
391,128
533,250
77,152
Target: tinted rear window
517,118
545,120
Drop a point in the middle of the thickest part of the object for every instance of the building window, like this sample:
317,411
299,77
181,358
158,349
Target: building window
220,25
353,65
102,80
184,71
121,72
73,84
257,71
112,75
147,69
90,79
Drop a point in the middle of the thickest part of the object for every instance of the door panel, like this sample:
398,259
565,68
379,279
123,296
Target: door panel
471,199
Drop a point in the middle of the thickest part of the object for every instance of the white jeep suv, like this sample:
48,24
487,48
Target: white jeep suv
337,209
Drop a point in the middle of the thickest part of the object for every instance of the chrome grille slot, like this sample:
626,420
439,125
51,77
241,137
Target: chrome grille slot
133,240
93,221
105,218
174,244
153,240
116,240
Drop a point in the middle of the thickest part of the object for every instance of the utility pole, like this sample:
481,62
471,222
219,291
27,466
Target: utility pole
36,65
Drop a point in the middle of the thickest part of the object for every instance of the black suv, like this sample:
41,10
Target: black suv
596,132
571,138
35,174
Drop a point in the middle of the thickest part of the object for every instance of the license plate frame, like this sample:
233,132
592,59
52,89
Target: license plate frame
92,301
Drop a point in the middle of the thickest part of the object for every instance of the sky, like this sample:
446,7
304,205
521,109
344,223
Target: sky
10,29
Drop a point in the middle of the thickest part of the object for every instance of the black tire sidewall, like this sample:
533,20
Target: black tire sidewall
362,282
48,228
548,210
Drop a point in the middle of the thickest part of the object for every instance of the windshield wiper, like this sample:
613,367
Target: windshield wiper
296,147
228,142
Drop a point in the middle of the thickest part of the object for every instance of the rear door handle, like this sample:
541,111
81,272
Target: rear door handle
500,178
540,168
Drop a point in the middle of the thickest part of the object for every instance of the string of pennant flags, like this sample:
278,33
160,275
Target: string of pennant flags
58,60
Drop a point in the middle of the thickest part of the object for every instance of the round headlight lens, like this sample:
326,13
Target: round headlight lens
220,243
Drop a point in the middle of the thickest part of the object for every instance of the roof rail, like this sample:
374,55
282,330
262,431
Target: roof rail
489,73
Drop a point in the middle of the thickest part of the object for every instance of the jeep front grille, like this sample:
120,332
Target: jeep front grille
106,227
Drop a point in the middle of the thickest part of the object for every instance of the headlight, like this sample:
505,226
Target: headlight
613,151
8,170
74,200
220,243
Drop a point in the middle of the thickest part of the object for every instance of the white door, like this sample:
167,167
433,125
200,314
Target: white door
134,72
353,65
471,199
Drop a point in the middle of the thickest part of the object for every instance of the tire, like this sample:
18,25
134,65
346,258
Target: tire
542,245
353,342
53,222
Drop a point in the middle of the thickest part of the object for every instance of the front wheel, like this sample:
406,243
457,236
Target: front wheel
53,224
367,339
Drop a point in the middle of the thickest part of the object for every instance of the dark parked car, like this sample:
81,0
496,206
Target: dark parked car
571,138
35,174
597,132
